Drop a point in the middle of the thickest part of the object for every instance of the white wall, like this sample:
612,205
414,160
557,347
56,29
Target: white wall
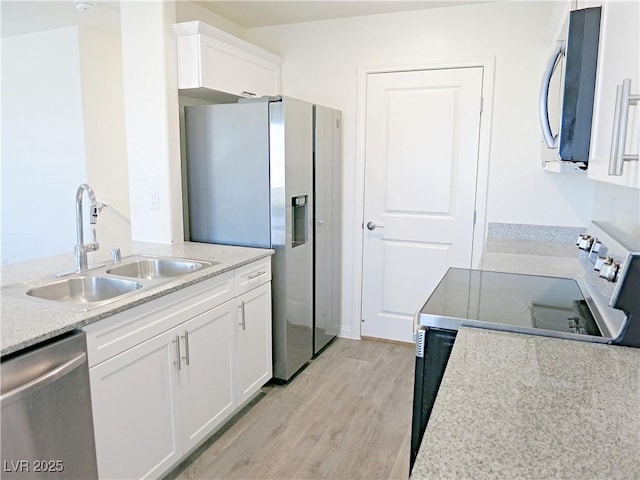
321,65
187,11
43,143
103,108
106,151
151,112
321,60
619,206
62,125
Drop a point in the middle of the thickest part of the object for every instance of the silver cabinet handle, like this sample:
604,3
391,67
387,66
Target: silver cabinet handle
373,226
243,323
619,133
178,363
255,275
186,347
248,94
615,133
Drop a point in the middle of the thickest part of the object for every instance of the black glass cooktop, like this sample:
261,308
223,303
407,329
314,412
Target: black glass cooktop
506,301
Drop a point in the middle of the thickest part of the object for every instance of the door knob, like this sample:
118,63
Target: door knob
373,226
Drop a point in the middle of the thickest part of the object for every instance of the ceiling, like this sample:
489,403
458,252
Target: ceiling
27,16
251,14
20,17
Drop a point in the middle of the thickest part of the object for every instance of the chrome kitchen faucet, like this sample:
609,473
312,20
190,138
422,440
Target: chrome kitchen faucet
81,248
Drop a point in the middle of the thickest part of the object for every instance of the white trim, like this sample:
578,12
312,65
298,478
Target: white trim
196,27
346,331
488,78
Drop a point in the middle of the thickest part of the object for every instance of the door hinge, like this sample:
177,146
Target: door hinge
475,215
481,104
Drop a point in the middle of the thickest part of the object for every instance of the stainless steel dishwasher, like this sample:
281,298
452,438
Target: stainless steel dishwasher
47,426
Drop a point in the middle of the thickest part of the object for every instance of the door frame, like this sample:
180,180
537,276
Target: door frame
488,65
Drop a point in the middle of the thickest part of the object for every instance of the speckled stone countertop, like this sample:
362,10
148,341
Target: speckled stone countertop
25,323
531,407
532,249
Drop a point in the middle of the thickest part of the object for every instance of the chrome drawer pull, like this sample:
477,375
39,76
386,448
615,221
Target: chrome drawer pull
186,347
178,363
243,323
256,275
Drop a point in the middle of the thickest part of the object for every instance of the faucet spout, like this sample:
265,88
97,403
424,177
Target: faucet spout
81,248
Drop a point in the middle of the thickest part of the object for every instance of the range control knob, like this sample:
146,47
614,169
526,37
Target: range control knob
584,242
599,262
609,270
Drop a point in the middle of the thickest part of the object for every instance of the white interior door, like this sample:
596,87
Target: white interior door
422,134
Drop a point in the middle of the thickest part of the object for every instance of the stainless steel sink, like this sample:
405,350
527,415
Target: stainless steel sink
153,267
100,285
84,289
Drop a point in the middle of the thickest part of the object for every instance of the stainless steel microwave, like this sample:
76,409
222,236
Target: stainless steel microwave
576,59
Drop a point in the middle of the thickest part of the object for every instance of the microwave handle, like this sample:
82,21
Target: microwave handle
549,138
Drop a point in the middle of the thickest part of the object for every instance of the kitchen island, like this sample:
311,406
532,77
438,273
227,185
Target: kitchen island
25,323
526,406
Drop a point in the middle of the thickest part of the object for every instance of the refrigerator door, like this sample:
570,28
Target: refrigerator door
228,174
291,149
327,224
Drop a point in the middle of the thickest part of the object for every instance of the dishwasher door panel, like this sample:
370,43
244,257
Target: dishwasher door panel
47,425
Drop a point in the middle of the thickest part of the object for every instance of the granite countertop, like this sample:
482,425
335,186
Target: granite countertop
525,406
532,249
25,323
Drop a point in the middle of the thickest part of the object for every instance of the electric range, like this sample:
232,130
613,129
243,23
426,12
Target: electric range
602,305
576,309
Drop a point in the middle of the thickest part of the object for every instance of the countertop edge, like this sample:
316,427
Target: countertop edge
81,319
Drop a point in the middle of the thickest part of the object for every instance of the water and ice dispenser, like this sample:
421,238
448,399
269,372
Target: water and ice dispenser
300,224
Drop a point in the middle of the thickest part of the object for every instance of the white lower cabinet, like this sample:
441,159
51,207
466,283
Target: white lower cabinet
134,397
156,401
206,378
253,341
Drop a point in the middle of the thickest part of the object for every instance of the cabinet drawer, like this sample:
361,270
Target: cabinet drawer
253,275
124,330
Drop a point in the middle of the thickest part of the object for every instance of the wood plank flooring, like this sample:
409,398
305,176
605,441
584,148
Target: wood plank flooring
346,416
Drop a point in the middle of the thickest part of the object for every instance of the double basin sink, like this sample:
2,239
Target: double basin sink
101,285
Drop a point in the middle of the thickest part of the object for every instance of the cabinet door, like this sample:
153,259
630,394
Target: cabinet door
206,379
618,58
133,397
231,70
253,340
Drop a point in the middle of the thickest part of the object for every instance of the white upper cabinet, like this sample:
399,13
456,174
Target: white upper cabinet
618,59
213,64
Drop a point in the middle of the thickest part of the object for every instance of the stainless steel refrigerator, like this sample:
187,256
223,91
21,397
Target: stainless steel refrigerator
327,180
250,182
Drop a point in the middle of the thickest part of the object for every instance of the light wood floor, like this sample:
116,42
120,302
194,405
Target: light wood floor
346,416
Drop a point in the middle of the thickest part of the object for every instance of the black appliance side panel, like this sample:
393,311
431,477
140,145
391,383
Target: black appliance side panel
629,302
428,376
579,84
